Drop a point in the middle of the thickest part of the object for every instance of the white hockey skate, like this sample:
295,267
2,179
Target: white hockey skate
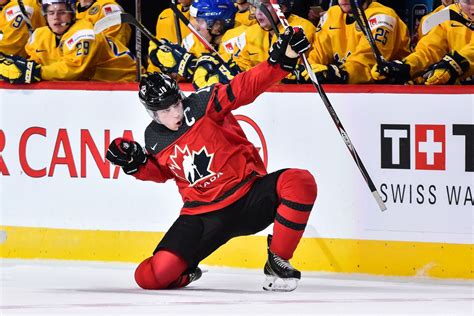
281,276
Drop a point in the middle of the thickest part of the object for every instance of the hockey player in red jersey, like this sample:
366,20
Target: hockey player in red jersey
225,188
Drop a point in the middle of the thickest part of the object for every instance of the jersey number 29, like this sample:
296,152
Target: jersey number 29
82,48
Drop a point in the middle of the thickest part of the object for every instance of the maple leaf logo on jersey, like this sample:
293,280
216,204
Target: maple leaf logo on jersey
191,166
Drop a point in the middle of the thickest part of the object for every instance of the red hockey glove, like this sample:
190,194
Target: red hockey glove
127,154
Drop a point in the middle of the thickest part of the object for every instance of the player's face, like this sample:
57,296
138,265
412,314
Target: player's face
3,2
172,117
218,28
58,17
201,27
185,3
262,19
344,5
467,7
252,10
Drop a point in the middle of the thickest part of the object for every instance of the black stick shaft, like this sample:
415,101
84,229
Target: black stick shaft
333,114
130,19
138,39
26,18
179,37
361,20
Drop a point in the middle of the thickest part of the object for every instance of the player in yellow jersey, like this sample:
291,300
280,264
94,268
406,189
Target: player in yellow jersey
444,4
211,18
244,15
232,41
244,47
14,31
94,10
67,49
259,37
166,29
341,53
443,56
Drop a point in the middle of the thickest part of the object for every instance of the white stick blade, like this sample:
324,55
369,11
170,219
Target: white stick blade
378,198
434,20
106,22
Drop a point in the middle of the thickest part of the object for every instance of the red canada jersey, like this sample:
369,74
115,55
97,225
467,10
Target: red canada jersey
209,156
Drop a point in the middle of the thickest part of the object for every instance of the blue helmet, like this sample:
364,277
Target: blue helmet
70,5
213,10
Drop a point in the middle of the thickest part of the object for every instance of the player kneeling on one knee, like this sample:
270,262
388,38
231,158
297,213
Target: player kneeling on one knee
227,192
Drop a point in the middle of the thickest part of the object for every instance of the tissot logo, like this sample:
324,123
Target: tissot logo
430,147
429,143
395,144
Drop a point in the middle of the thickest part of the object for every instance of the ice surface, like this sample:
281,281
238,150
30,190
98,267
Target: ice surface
34,287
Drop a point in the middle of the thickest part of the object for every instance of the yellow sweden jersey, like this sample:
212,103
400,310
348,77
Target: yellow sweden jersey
243,18
443,39
232,42
258,42
338,42
80,55
13,30
100,9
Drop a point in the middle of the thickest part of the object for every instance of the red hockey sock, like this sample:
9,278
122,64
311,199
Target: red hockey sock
297,191
161,271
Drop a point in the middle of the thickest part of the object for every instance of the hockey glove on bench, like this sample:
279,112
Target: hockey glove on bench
210,70
127,154
448,70
393,72
324,73
16,69
173,58
286,50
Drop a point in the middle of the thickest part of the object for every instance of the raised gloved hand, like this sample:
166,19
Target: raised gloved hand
446,71
15,69
330,73
210,70
286,49
298,42
127,154
394,72
173,58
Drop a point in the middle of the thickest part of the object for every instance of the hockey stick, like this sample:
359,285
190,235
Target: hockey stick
269,16
119,18
361,20
444,15
26,17
176,25
138,39
333,114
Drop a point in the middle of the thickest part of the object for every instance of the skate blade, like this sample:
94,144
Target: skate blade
275,284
